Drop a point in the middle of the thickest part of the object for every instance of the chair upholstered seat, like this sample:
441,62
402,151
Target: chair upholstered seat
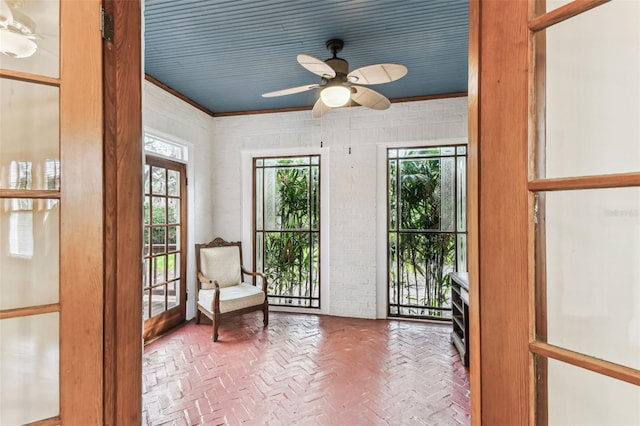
234,297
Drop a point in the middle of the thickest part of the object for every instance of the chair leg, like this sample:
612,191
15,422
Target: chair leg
265,311
198,313
216,323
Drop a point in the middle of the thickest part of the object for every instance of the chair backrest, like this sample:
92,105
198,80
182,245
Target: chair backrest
221,261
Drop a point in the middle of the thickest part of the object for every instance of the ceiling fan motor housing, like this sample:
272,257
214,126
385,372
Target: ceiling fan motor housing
340,66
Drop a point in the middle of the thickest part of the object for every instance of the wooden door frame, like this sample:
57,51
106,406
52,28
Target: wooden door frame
502,386
123,162
501,365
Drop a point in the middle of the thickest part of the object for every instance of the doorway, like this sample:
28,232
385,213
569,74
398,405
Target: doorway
426,229
164,242
286,223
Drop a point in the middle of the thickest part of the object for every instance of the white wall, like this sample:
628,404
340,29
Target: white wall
593,237
352,227
169,116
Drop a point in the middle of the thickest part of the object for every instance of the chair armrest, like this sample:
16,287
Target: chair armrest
256,274
202,278
215,302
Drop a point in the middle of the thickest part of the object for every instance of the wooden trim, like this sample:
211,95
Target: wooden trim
621,180
52,421
29,78
262,111
254,209
610,369
178,95
28,193
81,222
537,221
309,108
429,97
31,310
277,110
123,215
563,13
503,214
473,199
538,304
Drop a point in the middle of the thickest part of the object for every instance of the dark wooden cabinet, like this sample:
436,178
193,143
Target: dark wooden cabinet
460,314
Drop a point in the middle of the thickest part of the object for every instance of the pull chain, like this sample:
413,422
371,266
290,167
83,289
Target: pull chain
349,126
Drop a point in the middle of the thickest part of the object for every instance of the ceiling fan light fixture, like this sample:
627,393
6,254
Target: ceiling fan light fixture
335,96
16,45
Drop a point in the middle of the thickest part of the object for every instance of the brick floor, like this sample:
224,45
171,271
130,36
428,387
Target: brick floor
306,370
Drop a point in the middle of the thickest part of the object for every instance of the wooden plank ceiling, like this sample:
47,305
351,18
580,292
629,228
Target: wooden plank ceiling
224,54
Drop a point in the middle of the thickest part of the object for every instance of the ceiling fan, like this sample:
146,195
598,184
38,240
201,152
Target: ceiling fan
339,85
16,32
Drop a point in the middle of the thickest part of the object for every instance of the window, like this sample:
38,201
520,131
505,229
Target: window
287,228
165,148
426,228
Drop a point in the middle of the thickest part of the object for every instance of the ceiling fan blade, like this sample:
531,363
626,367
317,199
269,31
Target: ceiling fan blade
319,109
377,74
6,17
290,90
316,66
370,98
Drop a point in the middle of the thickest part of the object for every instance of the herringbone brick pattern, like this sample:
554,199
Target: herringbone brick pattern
306,370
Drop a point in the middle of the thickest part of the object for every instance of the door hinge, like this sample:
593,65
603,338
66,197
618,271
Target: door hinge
186,296
106,25
186,181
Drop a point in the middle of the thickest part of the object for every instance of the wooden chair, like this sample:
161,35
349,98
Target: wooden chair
222,289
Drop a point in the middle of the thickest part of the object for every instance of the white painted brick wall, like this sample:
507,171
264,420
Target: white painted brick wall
164,113
352,222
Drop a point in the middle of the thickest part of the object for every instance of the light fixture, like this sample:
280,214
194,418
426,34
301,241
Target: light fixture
335,95
16,33
16,45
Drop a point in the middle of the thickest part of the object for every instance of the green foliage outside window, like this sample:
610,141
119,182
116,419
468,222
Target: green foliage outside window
291,246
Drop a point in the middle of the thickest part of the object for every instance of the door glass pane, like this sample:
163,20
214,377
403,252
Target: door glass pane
259,201
173,235
33,45
581,397
462,252
174,210
157,300
147,179
146,304
593,273
173,295
29,154
173,183
29,359
173,266
259,251
448,197
462,194
271,221
29,252
159,210
592,87
158,180
159,273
